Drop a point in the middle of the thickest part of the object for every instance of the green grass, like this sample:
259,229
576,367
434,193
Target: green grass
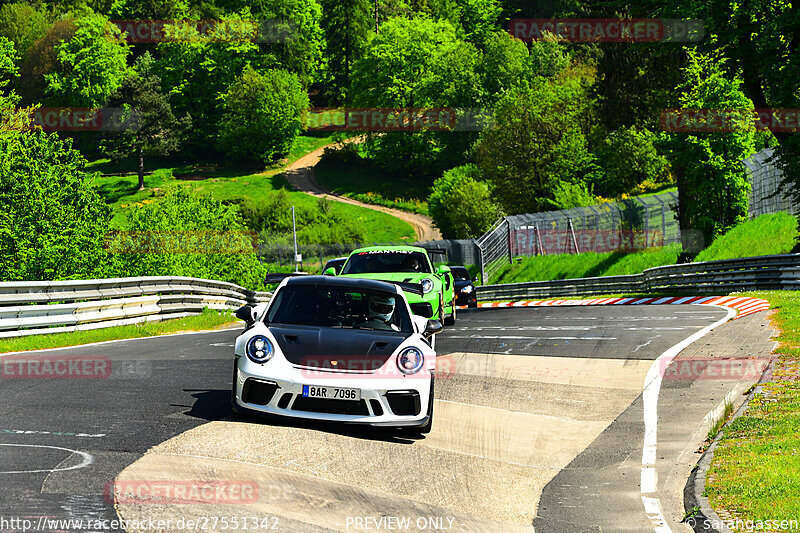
208,319
234,184
366,182
586,265
764,235
755,465
305,144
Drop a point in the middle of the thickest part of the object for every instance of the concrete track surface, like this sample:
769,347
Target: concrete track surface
538,425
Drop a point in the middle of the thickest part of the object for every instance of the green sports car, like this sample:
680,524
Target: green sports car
429,291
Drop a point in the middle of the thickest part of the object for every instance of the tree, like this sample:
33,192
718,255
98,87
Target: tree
91,65
461,205
418,63
52,221
22,24
11,118
540,140
505,65
192,235
261,116
629,157
152,128
196,70
712,184
347,25
40,60
149,9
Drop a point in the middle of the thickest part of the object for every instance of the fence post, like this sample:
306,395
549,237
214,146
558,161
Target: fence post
510,246
480,264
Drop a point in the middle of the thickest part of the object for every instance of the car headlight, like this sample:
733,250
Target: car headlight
259,349
410,361
427,285
468,289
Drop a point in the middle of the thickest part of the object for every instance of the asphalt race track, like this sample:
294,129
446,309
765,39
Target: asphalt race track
538,423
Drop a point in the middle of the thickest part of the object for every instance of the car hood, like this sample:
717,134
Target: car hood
335,348
408,277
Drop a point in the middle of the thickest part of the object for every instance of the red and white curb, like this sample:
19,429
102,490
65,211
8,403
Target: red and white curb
743,305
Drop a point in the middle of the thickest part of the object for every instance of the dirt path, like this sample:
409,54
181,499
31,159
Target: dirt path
300,176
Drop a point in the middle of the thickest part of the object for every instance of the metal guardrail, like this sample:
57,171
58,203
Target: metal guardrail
43,307
771,272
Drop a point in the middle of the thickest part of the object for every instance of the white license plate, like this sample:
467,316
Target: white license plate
331,393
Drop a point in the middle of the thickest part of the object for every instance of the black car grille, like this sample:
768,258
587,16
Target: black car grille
404,403
335,407
258,392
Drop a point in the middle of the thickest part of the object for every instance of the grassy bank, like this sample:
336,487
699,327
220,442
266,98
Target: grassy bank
366,182
235,184
208,319
754,471
586,265
764,235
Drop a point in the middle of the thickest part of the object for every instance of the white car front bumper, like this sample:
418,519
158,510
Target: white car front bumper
388,397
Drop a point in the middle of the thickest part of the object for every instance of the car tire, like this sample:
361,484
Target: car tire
472,305
451,320
429,424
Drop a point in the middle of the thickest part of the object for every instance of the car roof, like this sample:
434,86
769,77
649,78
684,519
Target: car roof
350,283
404,248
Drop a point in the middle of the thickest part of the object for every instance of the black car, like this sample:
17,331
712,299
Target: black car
465,290
335,264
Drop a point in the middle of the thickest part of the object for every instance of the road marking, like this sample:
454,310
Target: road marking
519,337
56,433
86,461
650,391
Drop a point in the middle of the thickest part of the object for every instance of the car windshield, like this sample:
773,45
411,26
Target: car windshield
387,261
340,307
460,274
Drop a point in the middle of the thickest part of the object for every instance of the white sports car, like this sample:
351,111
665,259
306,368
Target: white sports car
337,349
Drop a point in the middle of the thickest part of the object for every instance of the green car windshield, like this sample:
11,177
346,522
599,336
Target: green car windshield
387,261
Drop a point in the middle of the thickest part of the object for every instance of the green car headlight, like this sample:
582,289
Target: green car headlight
427,285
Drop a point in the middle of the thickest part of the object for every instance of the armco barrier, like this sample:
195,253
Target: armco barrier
771,272
39,307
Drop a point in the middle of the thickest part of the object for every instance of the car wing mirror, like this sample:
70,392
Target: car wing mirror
442,269
330,271
433,327
247,314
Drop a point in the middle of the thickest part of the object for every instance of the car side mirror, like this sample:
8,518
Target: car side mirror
330,271
247,314
475,278
442,269
433,327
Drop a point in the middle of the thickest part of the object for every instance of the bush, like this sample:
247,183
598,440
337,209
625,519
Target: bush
261,116
629,158
184,214
52,222
461,205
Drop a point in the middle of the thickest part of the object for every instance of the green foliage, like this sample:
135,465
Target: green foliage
196,70
302,53
585,265
347,25
505,65
548,57
711,179
22,24
41,59
52,222
91,65
629,157
460,204
148,9
418,63
153,128
763,235
262,115
183,213
540,140
272,218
